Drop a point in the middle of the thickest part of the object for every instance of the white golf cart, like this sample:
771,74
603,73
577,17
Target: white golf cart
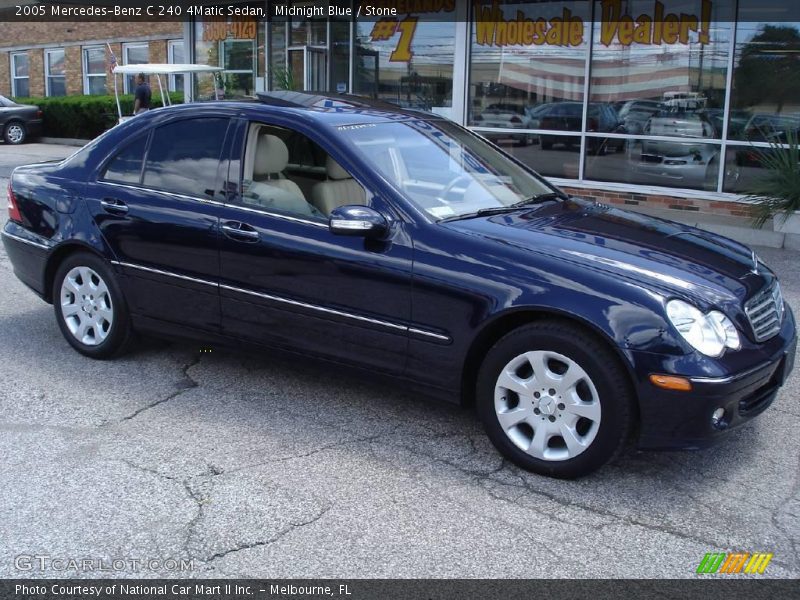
157,70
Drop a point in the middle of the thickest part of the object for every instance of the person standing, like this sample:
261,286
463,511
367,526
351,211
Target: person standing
142,95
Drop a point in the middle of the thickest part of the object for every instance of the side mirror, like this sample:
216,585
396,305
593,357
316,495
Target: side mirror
355,220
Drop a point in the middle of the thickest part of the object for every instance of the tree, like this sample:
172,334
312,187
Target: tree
769,68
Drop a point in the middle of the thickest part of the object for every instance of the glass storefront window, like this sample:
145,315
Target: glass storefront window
526,59
765,98
408,60
233,44
650,66
676,164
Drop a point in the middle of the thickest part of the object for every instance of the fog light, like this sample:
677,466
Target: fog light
717,419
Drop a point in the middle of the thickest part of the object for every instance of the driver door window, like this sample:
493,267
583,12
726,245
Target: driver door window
285,172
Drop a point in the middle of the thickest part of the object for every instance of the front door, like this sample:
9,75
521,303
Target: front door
154,205
286,280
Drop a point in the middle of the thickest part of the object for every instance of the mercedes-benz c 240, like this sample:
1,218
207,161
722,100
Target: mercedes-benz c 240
404,244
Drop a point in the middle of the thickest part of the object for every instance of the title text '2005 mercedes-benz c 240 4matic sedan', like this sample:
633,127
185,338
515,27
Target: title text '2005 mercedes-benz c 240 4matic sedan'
404,244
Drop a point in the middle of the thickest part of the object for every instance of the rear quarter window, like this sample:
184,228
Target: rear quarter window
126,166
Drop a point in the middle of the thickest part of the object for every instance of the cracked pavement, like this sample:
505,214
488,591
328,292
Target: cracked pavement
267,466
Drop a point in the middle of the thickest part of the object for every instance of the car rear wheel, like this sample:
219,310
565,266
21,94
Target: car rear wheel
89,307
15,133
554,399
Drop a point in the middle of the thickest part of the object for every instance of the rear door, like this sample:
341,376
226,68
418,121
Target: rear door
155,203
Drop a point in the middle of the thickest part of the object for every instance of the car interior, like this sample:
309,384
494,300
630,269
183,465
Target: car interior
286,172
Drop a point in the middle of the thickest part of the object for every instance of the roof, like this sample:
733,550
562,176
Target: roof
165,69
349,107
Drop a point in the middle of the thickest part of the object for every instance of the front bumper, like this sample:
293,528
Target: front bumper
683,420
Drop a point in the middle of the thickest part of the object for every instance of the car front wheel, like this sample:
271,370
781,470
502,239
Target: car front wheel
554,399
89,307
14,133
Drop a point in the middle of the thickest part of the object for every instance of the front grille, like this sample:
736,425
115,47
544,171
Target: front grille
765,312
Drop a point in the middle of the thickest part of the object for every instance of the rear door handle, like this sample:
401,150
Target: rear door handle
240,232
114,206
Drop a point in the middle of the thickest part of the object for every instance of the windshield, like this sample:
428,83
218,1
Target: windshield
442,168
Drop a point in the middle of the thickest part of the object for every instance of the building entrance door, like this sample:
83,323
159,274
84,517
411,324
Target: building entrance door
309,68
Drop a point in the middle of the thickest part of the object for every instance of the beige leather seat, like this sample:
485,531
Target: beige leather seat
270,189
339,190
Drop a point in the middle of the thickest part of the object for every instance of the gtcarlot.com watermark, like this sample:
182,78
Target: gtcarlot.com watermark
60,564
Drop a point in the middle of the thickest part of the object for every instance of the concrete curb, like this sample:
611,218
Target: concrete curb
63,141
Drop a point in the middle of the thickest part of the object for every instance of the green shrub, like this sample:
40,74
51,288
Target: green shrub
85,117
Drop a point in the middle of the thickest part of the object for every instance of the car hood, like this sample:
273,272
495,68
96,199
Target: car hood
664,256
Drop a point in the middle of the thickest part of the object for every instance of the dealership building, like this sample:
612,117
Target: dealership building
653,104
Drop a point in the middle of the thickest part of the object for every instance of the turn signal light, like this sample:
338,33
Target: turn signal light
13,209
670,382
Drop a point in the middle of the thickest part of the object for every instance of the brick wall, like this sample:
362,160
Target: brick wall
72,36
5,74
36,69
55,33
635,198
73,70
158,51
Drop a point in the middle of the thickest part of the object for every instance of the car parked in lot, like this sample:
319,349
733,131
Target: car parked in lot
568,116
404,244
19,122
508,116
685,164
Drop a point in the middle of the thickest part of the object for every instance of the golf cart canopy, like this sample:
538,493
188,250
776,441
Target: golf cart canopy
165,69
159,69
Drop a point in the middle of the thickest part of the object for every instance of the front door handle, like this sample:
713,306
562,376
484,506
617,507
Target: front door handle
240,232
114,206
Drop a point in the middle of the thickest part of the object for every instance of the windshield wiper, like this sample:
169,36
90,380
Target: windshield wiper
498,210
541,199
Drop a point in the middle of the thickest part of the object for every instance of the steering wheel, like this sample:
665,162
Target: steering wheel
465,178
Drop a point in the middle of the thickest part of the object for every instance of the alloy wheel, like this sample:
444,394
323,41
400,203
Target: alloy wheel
15,134
86,306
547,405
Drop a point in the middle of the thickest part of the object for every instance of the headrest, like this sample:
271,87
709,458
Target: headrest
272,156
335,170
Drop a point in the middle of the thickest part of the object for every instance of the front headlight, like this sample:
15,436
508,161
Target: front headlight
708,333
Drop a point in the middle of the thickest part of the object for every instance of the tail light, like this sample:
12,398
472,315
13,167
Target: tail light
592,125
39,114
13,209
515,119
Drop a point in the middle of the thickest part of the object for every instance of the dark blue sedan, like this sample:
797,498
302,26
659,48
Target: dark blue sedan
404,244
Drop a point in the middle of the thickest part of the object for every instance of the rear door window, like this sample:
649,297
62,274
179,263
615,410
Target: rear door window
184,156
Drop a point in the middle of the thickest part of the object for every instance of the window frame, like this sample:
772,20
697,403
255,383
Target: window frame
171,45
253,71
14,77
126,47
86,75
48,77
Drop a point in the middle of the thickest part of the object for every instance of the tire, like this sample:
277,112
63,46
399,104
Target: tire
594,382
15,133
90,308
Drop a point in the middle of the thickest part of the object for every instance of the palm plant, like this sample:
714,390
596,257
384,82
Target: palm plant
284,79
776,193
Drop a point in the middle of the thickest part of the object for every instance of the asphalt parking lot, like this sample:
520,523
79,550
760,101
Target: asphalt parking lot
266,466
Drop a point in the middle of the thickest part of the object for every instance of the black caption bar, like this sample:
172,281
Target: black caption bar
417,589
429,10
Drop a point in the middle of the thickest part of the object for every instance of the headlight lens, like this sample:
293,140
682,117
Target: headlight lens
709,333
